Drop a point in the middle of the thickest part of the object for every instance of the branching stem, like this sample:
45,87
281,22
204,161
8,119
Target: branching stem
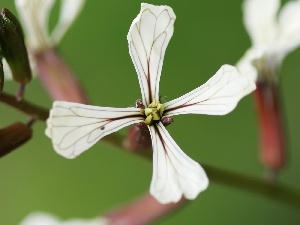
277,192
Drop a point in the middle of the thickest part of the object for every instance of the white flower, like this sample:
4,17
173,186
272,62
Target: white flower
34,17
40,218
75,127
273,36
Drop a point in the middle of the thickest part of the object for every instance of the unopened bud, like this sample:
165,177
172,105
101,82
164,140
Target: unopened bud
166,120
139,104
13,136
13,47
138,137
1,76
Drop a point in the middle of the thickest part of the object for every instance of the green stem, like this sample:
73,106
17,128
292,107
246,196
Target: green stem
277,192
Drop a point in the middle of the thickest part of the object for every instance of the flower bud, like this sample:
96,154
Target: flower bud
13,47
13,136
1,75
138,138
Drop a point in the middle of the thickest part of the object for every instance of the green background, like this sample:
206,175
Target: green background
207,35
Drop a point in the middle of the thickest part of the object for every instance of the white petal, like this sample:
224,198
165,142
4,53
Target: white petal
260,20
245,64
174,173
6,69
69,10
75,127
41,218
34,15
289,28
148,37
218,96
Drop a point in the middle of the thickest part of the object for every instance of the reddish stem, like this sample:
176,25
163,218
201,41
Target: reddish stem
57,78
272,135
143,211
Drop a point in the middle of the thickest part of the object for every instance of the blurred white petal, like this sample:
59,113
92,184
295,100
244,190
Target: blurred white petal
75,127
289,28
245,64
260,20
272,35
69,10
34,16
174,173
41,218
148,37
6,69
218,96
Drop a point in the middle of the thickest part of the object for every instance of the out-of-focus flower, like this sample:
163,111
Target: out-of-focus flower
54,73
41,218
75,127
273,35
34,15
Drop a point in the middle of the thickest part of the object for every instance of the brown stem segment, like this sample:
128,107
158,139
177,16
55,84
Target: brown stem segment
272,135
218,175
57,78
24,106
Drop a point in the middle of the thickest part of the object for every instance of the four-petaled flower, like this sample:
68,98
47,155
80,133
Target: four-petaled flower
75,127
272,36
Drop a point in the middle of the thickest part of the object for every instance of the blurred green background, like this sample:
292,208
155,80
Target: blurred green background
207,35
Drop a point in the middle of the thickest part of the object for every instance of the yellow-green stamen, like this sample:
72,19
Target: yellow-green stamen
153,112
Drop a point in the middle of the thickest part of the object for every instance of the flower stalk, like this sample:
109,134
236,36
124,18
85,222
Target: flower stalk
145,210
272,136
57,77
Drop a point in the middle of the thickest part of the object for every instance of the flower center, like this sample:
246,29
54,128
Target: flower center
153,112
